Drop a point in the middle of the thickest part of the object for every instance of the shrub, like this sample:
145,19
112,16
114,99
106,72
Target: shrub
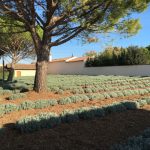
8,108
52,102
2,109
54,89
143,91
37,122
96,97
69,116
120,94
41,104
113,94
115,107
95,90
98,111
131,105
85,113
142,102
106,95
64,101
78,91
148,101
27,105
87,90
127,93
17,96
4,92
59,91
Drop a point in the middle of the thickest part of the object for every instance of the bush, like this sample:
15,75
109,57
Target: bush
4,92
69,116
85,113
44,103
59,91
131,105
8,108
16,96
98,111
142,102
113,94
106,95
33,123
88,90
78,91
115,107
64,101
27,105
96,97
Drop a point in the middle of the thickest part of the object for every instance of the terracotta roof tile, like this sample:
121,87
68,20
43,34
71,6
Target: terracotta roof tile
60,59
22,66
78,59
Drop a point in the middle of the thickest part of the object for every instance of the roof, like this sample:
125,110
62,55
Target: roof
69,59
22,66
78,59
61,59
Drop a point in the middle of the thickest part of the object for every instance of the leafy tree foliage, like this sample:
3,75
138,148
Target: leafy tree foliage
15,46
132,55
90,54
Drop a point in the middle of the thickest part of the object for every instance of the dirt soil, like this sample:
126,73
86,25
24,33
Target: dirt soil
31,95
96,134
14,116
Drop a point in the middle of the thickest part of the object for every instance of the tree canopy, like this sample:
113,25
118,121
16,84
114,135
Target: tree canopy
112,56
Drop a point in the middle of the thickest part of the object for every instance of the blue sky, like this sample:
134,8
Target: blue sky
78,49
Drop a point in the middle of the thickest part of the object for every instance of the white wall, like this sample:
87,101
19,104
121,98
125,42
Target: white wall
25,73
78,68
65,67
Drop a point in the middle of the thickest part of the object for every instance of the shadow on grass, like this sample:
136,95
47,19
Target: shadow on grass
91,134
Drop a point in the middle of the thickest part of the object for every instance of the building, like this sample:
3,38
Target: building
68,65
23,70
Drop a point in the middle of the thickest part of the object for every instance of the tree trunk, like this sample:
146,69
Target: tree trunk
11,72
40,81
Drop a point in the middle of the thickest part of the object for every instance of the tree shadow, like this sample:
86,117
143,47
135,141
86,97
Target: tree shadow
91,134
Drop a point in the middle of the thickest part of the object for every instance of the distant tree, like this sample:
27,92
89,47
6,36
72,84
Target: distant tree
63,20
15,46
90,54
137,55
132,55
148,47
